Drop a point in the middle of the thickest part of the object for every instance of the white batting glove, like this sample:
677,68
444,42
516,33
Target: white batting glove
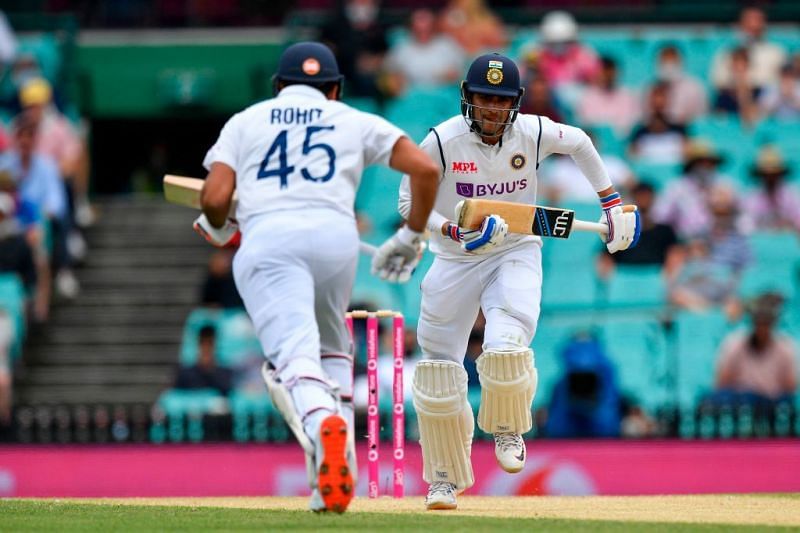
227,235
396,259
624,227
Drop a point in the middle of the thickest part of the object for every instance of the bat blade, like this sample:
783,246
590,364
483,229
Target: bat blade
527,219
521,218
185,191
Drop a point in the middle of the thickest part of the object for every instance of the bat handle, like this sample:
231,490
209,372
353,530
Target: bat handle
596,227
367,249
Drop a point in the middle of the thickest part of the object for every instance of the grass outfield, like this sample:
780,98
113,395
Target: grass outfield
596,513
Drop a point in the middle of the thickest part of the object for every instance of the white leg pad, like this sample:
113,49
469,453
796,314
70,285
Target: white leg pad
283,402
508,384
445,422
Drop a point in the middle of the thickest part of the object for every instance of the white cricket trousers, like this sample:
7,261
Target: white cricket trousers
295,272
506,285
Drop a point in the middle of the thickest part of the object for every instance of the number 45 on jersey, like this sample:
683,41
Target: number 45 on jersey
277,155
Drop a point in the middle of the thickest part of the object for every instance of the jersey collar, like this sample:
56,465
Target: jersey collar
302,90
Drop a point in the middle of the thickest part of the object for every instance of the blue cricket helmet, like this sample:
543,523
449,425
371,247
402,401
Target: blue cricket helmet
307,62
491,74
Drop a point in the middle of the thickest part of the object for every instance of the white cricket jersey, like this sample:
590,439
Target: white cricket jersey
504,171
300,151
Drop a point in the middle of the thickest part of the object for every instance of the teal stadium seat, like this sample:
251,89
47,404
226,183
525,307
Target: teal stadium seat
776,266
569,264
12,300
637,285
185,410
698,337
236,338
638,348
551,337
256,419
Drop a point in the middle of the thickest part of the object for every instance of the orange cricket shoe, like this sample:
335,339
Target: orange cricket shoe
335,481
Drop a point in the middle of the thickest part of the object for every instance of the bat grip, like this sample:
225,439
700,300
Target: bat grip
366,248
596,227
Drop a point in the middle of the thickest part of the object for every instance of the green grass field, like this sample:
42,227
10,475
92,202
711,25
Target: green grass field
667,514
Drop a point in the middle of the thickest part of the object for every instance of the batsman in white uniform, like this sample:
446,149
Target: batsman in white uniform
489,151
295,162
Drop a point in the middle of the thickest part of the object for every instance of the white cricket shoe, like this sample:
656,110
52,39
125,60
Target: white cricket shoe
509,448
441,496
316,504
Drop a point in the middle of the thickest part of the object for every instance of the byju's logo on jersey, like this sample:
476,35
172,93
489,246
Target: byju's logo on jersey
476,190
466,190
464,167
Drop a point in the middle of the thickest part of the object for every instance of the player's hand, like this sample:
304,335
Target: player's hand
226,236
491,234
624,227
396,259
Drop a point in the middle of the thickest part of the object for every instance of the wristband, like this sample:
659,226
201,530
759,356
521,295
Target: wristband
453,233
612,200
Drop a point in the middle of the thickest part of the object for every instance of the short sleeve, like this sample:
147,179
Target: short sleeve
378,137
225,149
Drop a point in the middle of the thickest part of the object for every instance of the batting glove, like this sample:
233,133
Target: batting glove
624,224
491,234
226,236
396,259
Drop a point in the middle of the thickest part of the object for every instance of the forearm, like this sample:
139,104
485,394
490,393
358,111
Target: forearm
217,193
423,192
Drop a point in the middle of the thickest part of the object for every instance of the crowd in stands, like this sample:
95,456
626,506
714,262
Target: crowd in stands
43,199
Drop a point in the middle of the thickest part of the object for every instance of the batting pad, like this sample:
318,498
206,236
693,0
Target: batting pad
445,422
508,383
282,400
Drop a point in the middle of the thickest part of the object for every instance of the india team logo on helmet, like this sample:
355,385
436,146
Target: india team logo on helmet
494,75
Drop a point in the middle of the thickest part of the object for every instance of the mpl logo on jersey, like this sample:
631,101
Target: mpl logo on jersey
464,167
476,190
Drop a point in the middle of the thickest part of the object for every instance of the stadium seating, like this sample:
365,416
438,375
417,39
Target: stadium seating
12,301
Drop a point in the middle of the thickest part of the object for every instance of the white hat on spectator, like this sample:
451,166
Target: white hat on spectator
559,27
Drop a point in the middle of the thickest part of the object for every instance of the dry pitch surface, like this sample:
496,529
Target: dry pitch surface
767,509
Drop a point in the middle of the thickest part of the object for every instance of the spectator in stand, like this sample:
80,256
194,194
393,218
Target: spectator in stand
39,183
358,40
715,261
586,399
658,139
539,99
775,204
658,244
765,58
219,288
564,60
607,103
29,221
59,140
782,101
758,366
205,374
686,96
16,255
6,341
473,26
684,203
427,57
740,95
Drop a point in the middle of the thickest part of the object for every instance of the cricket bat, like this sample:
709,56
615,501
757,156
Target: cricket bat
185,191
528,219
